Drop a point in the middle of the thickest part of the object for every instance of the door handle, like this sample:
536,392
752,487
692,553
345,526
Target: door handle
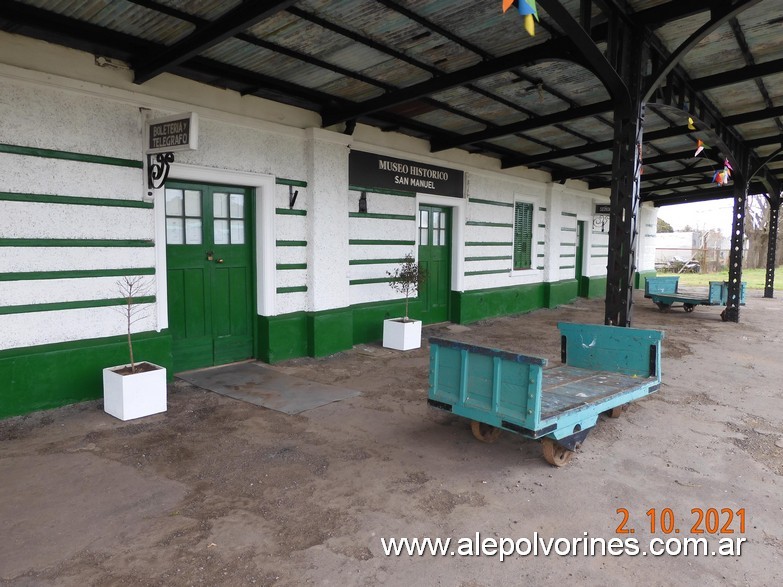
210,256
220,260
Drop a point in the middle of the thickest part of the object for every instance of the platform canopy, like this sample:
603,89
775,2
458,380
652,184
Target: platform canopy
464,74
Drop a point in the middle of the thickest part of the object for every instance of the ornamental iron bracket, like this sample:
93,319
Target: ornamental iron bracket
158,167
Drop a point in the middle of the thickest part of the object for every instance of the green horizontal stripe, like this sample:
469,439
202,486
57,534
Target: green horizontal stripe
542,209
571,256
599,247
292,289
477,244
569,214
382,216
375,261
371,280
69,156
77,273
599,256
567,244
541,255
490,202
73,200
488,272
56,306
289,266
291,243
566,266
566,229
78,345
498,258
540,243
359,241
383,191
293,182
494,224
72,242
540,267
290,212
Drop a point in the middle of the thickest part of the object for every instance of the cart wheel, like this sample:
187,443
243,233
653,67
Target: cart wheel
723,316
663,307
484,432
688,307
616,412
555,454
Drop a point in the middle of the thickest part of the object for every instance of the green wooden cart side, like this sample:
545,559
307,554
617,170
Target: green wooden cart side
604,368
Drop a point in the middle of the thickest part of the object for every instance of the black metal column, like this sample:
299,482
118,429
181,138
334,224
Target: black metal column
774,210
731,313
626,166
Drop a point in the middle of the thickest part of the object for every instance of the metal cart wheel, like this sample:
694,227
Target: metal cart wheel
555,454
485,432
688,307
663,307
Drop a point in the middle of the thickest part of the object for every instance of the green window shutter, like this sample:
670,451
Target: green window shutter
523,235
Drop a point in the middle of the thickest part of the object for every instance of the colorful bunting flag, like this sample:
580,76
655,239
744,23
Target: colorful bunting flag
721,177
691,125
528,9
727,165
699,147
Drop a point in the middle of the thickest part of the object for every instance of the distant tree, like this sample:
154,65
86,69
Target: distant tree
687,228
664,226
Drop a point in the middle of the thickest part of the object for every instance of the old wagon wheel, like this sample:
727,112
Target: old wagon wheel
663,307
484,432
688,307
555,454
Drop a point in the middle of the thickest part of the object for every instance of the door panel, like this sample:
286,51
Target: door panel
435,259
209,275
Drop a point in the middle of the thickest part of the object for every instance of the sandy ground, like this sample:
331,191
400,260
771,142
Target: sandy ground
219,492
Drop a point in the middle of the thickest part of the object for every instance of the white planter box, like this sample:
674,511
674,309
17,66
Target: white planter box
402,336
132,396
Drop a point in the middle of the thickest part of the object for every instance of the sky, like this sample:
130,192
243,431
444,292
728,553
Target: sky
700,215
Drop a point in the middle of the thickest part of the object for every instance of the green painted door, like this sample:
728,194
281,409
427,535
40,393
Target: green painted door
579,257
435,259
210,277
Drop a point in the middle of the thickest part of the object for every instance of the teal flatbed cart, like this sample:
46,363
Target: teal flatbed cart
603,369
665,292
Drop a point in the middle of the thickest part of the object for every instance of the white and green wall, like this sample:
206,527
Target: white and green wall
75,217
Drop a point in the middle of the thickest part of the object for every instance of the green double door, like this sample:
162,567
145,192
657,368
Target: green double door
435,259
210,277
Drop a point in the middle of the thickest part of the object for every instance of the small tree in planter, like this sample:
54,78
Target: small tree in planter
136,389
403,333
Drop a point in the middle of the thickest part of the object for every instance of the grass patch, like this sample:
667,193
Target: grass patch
755,278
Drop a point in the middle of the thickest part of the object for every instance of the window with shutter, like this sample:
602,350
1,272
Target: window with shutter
523,235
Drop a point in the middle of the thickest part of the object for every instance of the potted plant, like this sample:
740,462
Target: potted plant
404,333
138,388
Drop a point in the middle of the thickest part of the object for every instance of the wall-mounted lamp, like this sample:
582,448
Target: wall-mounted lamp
363,203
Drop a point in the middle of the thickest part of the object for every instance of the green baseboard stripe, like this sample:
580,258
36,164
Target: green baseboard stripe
562,292
594,287
72,242
53,375
282,337
330,332
471,306
69,156
639,277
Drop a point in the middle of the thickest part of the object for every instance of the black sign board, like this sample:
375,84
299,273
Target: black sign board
173,133
369,170
603,208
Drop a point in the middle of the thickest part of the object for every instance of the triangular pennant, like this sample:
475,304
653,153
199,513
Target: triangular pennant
691,125
699,147
727,165
530,26
528,7
507,4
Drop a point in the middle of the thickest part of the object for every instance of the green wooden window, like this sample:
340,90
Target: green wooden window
523,235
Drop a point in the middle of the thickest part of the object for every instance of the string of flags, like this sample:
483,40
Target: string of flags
721,176
527,8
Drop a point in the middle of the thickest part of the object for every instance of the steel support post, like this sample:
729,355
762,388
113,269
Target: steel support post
731,313
625,197
774,212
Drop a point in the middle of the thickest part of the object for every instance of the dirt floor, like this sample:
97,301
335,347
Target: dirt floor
220,492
